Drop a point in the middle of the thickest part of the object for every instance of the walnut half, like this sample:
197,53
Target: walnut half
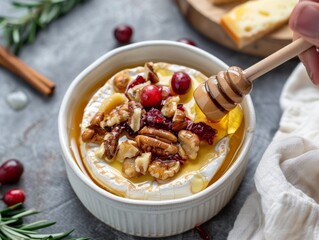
163,170
189,142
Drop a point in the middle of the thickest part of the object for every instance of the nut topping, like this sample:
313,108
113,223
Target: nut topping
93,134
159,134
149,144
179,120
142,162
163,170
111,142
189,142
120,82
128,168
170,106
127,149
150,74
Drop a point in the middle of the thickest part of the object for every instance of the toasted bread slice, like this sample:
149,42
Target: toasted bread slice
254,19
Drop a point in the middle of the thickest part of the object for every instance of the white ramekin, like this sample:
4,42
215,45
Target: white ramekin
150,218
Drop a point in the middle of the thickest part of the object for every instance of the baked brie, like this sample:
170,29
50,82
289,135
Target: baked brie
140,139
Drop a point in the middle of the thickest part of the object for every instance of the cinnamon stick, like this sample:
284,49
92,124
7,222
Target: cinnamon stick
18,67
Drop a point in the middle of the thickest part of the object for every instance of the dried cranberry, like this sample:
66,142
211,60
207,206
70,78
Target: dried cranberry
14,196
203,131
181,107
154,118
138,80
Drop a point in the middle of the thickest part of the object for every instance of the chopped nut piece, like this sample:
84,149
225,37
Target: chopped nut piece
163,170
159,134
120,82
182,153
142,162
118,115
170,106
93,134
134,93
150,74
128,168
179,120
100,151
111,142
135,118
127,149
97,119
149,144
189,142
87,135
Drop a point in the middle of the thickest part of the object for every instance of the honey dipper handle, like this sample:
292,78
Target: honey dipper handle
274,60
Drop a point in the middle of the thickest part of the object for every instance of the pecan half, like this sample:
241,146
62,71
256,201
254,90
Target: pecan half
163,170
149,144
159,134
150,74
179,120
97,119
189,142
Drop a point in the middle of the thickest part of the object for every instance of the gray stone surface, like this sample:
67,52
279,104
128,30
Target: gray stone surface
61,52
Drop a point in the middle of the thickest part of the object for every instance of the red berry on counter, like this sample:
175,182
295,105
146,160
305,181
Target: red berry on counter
187,41
151,96
14,196
181,82
10,171
123,33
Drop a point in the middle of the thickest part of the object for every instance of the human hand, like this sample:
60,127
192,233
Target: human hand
304,21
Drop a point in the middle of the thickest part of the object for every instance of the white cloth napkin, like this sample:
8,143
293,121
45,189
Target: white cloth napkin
284,202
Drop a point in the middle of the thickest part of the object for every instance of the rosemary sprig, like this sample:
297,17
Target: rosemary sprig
12,227
22,30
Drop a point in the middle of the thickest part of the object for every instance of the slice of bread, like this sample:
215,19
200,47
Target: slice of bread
220,2
254,19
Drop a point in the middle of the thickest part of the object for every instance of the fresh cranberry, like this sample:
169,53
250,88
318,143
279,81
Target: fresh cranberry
181,82
123,33
151,96
138,80
10,171
14,196
187,41
165,91
203,131
154,118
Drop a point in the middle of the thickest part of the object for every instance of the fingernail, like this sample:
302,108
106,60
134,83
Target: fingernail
306,22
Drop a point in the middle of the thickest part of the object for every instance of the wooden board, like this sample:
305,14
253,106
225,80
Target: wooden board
205,17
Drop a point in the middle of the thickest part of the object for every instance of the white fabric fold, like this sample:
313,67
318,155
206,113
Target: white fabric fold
284,201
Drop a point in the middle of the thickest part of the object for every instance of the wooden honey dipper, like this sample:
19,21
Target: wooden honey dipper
222,92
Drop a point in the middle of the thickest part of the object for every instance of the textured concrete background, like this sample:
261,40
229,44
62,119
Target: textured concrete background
61,52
